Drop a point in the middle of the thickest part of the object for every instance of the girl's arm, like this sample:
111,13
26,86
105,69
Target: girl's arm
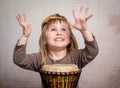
20,58
90,51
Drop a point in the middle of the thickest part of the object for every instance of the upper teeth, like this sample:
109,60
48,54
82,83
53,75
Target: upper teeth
59,39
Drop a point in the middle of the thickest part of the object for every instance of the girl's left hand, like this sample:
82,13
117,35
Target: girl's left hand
81,20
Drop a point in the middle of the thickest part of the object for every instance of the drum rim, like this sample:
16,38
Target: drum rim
60,73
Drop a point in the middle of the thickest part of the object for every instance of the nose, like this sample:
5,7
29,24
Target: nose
59,32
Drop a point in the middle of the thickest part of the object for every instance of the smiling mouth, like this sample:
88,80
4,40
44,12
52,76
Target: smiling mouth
59,39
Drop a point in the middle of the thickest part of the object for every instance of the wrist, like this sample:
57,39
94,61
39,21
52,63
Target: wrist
85,31
25,36
23,40
87,35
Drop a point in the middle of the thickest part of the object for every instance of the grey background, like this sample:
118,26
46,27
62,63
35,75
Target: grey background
103,72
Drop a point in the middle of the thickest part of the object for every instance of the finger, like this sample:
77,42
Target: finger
30,26
25,18
89,17
71,24
74,15
18,18
81,9
86,12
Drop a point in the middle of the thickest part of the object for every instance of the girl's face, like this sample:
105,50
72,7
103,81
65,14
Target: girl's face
58,35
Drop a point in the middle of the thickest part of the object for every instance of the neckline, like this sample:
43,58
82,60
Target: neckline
58,59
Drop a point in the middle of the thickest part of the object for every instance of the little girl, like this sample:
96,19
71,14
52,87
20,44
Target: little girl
57,42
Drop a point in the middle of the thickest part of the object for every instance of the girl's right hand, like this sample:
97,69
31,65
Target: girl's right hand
23,21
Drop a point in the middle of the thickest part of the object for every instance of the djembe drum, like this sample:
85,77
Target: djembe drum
60,75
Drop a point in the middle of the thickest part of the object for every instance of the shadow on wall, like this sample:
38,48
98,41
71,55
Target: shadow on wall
114,21
114,80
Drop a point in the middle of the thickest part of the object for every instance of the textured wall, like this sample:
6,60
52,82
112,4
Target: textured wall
103,72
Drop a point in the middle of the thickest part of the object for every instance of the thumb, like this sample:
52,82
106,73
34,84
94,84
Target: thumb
71,25
30,26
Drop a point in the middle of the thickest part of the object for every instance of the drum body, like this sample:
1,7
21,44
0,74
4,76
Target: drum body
60,78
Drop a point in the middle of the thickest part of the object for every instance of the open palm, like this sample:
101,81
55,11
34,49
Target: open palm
23,21
81,20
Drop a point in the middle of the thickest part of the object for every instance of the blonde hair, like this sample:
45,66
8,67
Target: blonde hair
45,24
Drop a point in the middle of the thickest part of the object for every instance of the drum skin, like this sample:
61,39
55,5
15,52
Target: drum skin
52,79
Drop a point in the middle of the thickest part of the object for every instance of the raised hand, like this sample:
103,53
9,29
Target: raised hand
23,21
81,20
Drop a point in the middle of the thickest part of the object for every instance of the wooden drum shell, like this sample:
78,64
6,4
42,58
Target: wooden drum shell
60,79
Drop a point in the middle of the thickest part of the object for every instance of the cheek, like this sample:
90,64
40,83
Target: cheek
67,35
48,38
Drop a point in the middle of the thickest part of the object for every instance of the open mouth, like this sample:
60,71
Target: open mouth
59,39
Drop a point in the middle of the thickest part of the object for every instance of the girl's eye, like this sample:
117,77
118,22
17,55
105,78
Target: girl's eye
53,29
63,29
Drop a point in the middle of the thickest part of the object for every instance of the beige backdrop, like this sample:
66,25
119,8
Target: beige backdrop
103,72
